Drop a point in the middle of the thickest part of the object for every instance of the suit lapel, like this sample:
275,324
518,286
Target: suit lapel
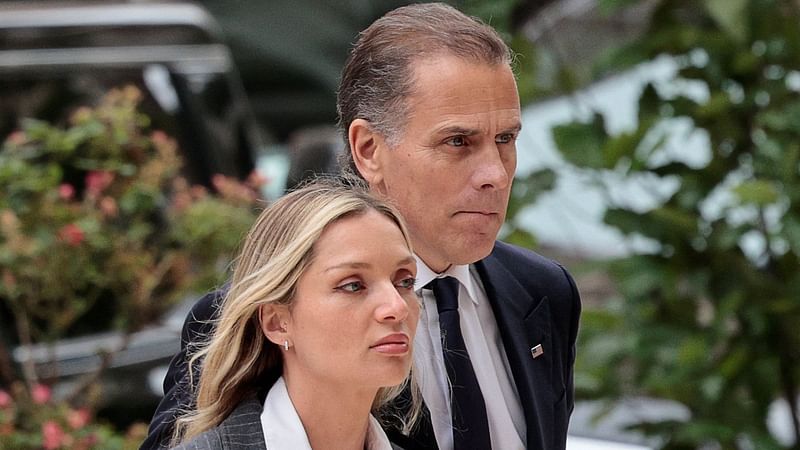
242,429
523,320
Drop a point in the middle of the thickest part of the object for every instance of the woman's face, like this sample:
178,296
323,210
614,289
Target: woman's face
355,312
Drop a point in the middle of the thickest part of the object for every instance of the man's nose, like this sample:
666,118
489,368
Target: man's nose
491,170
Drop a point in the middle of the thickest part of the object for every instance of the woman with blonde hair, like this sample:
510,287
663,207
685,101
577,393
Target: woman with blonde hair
315,333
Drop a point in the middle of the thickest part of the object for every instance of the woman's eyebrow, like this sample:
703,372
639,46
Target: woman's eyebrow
349,265
406,260
366,265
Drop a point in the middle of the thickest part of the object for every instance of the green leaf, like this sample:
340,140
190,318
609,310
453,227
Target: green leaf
526,189
609,7
693,351
521,238
622,146
625,220
664,224
731,16
581,143
717,105
638,275
759,192
783,119
734,362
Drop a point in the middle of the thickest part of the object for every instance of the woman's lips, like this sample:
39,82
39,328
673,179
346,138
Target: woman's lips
393,344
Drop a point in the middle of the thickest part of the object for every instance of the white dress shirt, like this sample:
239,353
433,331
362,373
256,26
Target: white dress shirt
283,429
485,347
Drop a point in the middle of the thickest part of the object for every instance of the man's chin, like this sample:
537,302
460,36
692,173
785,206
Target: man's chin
473,251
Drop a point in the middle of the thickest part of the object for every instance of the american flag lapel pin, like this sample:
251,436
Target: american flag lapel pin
537,351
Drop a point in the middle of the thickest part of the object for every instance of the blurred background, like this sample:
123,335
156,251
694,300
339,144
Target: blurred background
659,160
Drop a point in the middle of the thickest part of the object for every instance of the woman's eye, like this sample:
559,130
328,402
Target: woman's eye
407,283
353,286
457,141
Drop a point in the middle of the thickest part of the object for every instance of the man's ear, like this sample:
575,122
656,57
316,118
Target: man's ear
366,146
274,320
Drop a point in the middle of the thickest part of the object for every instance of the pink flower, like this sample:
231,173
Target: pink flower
9,221
5,399
109,207
219,181
90,441
52,435
11,283
199,192
159,137
98,181
255,180
71,234
66,191
17,138
181,201
78,418
40,394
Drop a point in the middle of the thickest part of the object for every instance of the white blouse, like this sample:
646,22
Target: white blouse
283,429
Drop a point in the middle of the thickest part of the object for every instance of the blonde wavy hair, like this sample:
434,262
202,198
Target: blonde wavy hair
238,360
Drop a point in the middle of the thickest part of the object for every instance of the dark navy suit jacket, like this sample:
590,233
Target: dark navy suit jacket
535,302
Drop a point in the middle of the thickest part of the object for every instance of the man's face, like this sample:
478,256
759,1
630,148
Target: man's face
450,174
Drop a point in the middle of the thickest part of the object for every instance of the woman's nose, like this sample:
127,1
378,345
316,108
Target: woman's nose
393,307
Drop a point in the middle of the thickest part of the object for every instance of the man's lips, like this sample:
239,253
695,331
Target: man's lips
393,344
487,213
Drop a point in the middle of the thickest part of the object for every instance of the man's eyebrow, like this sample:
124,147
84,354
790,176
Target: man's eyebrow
513,129
458,130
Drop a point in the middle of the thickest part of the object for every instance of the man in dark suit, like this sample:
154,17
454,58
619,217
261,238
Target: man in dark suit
430,111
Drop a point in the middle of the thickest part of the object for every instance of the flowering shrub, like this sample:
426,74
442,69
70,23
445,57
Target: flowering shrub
32,420
99,230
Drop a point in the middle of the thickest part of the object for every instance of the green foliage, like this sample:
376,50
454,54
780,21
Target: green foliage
524,192
703,320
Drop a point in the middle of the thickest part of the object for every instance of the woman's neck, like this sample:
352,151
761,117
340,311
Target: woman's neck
334,417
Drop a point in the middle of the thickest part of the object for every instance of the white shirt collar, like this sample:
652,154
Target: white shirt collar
462,273
283,429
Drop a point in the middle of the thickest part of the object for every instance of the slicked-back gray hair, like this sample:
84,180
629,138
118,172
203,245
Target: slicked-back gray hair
377,78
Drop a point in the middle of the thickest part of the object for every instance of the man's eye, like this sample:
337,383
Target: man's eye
505,138
407,283
457,141
353,286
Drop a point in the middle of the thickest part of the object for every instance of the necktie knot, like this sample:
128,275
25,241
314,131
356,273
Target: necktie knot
445,290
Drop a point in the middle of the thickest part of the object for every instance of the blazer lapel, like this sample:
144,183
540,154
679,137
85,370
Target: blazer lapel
242,429
523,320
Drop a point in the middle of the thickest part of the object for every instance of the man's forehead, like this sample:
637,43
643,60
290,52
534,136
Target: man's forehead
456,86
447,73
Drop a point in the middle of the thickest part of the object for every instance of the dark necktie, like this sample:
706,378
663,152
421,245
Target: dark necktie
470,425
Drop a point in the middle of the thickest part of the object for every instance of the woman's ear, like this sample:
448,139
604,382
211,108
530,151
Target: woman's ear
366,146
274,320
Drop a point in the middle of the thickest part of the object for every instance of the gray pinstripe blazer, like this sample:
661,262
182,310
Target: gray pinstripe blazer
240,431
